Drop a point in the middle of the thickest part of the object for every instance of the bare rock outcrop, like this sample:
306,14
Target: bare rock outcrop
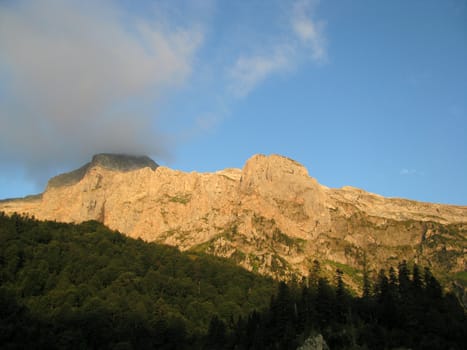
270,216
314,343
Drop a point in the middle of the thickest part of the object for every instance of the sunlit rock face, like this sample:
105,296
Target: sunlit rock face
270,216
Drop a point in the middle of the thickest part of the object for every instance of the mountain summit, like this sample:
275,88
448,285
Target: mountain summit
112,161
122,162
270,216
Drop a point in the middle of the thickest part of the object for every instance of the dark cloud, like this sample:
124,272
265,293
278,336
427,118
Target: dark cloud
79,77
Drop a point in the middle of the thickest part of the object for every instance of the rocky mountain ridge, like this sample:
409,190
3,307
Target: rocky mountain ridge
118,162
270,216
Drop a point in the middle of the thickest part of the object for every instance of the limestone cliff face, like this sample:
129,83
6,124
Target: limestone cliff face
270,216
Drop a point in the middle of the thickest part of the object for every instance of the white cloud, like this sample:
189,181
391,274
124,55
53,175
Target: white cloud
406,171
207,122
410,172
248,72
305,41
76,77
309,30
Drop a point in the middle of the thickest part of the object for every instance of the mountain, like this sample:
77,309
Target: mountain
270,217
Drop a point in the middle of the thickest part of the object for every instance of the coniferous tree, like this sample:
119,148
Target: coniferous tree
342,303
432,286
366,279
216,337
282,311
393,281
386,300
325,303
314,275
305,310
417,282
403,277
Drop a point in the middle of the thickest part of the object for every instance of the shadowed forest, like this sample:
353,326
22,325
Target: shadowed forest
66,286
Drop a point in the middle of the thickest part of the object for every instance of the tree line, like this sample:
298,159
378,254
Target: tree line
79,286
403,307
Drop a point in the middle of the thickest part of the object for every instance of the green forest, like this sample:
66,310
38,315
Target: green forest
84,286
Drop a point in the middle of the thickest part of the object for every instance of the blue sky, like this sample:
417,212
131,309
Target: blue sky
371,94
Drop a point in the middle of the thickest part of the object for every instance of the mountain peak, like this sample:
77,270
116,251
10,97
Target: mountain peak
122,162
274,165
112,161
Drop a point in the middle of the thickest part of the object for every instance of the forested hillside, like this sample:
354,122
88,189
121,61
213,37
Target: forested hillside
75,286
66,286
